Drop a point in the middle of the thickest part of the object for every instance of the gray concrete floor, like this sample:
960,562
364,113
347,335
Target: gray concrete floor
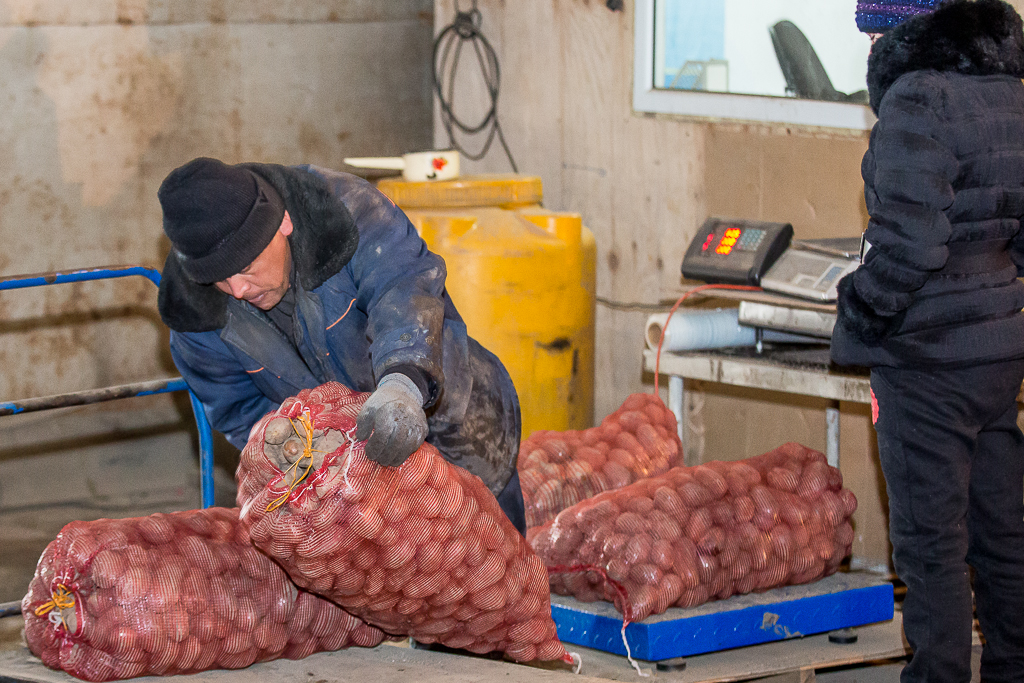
794,661
395,662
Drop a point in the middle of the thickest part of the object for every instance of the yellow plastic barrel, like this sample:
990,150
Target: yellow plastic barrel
523,279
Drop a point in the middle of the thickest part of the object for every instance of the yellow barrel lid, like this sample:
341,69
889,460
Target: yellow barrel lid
508,190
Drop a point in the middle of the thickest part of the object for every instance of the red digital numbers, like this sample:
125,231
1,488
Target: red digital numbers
729,240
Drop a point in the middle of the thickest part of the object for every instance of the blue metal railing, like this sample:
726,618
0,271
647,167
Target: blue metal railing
157,386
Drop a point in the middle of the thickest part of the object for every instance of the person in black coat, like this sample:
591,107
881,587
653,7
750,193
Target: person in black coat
935,312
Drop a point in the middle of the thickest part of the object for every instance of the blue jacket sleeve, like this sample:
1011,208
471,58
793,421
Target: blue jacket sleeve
400,284
233,404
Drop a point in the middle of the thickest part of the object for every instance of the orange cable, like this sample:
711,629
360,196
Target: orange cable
342,315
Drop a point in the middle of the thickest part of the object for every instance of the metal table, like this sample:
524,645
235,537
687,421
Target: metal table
788,368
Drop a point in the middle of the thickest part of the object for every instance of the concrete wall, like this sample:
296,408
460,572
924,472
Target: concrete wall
102,98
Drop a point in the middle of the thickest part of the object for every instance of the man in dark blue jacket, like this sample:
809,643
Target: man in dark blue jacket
935,312
283,278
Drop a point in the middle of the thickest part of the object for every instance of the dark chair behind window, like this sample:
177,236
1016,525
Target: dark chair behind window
805,76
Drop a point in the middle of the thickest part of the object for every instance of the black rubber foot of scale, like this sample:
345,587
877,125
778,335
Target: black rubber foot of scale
677,664
843,636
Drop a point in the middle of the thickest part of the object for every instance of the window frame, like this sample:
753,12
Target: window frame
705,105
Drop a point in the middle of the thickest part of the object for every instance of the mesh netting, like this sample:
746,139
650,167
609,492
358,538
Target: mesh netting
702,533
172,594
422,549
559,469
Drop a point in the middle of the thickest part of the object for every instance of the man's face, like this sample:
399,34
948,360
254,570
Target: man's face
264,282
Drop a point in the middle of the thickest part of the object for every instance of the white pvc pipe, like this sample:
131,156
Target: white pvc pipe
693,330
832,434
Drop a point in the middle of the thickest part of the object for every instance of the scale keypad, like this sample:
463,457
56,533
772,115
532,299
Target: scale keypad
750,239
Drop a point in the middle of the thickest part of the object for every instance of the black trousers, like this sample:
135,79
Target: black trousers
953,460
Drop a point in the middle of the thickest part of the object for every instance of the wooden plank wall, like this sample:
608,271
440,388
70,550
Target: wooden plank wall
643,184
565,107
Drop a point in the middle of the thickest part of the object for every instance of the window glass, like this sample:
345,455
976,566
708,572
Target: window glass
809,49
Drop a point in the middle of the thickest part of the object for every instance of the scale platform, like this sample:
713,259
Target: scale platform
840,601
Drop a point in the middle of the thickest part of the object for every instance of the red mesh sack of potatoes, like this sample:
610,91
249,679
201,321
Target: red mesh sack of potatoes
702,533
421,549
172,594
559,469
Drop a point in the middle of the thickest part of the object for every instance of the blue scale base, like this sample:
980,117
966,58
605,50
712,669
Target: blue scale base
839,601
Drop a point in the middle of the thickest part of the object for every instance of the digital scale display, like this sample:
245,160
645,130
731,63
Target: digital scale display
741,239
735,251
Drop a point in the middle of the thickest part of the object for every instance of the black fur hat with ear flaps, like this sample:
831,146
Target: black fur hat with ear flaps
972,37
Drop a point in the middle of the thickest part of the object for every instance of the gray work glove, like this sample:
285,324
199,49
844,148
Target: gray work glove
392,420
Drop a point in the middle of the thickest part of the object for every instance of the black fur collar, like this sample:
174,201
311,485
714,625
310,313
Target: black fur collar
974,37
324,240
